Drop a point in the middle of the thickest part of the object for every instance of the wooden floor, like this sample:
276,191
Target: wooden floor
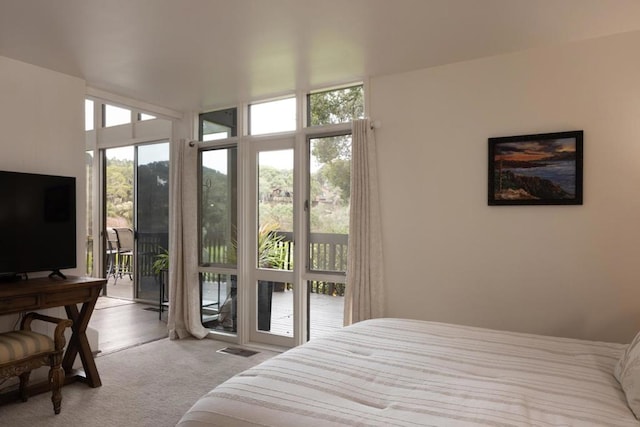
125,325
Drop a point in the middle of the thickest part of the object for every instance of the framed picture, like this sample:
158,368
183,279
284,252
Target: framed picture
543,169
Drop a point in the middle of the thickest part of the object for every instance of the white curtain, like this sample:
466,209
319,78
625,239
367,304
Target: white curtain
364,295
184,288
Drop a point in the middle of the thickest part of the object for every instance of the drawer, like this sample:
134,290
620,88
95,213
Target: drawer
67,297
17,304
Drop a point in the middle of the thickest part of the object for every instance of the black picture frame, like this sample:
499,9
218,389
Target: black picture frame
540,169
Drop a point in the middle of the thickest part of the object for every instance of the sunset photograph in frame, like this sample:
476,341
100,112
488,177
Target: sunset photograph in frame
541,169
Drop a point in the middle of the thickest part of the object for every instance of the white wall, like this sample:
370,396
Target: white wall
565,270
42,131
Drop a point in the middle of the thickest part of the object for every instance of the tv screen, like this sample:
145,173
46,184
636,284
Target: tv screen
37,223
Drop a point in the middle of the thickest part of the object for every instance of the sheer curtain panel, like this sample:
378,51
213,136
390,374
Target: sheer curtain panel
184,286
364,295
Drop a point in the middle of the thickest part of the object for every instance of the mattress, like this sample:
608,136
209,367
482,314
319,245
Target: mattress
396,372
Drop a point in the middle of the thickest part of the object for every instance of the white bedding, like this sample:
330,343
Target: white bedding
393,372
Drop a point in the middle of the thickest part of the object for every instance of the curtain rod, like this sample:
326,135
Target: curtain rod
375,124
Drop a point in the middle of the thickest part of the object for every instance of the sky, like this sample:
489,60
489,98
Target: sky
534,150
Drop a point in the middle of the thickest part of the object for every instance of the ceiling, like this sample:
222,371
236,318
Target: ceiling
199,54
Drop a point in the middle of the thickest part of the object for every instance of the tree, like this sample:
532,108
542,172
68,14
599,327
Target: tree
336,106
334,153
334,156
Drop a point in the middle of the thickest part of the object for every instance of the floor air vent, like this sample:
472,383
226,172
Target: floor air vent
237,351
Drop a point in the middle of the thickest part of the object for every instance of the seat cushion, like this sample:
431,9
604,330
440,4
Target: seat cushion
18,345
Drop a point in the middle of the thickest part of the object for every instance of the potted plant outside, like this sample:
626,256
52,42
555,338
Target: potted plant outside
160,267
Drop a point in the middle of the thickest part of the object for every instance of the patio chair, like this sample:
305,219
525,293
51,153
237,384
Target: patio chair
125,251
112,252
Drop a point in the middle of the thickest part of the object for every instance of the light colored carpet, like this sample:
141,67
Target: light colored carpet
149,385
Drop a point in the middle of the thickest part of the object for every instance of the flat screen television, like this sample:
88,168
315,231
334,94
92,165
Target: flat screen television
37,224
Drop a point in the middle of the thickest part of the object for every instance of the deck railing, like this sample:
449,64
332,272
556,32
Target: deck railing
150,245
328,253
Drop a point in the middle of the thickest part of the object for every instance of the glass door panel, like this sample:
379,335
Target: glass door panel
328,231
325,302
275,308
118,205
219,302
219,238
90,259
273,289
136,218
152,216
219,207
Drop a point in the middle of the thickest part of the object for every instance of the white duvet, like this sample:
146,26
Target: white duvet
393,372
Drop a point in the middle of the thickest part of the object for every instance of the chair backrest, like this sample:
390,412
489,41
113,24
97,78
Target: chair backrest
112,239
125,239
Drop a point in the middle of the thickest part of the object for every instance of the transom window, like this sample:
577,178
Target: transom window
88,115
219,124
272,116
115,116
335,106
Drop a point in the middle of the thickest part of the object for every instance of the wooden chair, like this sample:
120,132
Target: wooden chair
24,350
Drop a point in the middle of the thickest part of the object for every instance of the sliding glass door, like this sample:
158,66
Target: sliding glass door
136,218
151,216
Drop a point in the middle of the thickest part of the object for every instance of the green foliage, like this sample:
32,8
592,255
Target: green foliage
337,106
153,194
338,172
271,251
161,262
330,220
272,178
215,202
120,190
334,153
334,156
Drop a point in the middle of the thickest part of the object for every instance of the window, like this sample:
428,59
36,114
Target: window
259,257
142,117
329,198
88,115
114,116
272,117
220,124
218,207
335,106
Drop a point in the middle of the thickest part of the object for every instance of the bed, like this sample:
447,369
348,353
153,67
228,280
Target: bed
398,372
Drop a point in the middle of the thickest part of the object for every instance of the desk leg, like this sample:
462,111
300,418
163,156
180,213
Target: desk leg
79,344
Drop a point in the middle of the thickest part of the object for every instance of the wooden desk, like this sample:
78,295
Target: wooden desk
45,292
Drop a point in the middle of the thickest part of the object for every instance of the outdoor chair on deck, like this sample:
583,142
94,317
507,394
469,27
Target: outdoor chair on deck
112,252
125,251
24,350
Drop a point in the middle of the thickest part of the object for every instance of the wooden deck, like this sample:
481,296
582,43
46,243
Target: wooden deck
122,323
326,314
